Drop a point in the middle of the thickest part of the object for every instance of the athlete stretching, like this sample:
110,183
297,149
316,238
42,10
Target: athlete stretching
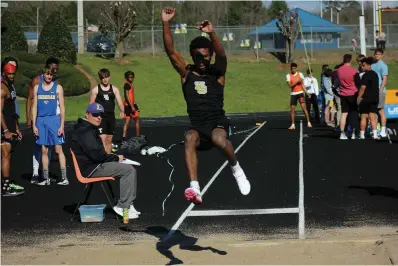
105,94
203,88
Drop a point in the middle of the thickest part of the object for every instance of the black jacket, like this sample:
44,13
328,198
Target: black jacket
88,148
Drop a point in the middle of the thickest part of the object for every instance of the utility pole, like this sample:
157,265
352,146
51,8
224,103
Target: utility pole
80,27
362,31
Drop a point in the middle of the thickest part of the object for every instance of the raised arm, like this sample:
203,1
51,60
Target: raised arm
93,94
175,58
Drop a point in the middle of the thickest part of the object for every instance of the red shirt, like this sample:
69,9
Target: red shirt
346,74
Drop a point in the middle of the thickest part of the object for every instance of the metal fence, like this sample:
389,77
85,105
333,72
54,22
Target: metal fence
237,39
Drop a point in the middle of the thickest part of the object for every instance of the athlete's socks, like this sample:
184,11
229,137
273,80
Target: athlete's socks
383,131
235,167
362,134
36,158
45,174
63,173
375,133
195,184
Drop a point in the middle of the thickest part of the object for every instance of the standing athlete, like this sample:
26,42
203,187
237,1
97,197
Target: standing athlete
48,124
381,68
295,81
9,129
53,64
131,110
203,88
105,94
368,97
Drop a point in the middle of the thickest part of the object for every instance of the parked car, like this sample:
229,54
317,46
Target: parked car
100,44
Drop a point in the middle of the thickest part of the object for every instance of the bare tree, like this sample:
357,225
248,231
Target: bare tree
121,19
288,24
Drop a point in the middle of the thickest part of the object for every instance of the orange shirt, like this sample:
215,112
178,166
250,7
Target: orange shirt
128,94
297,89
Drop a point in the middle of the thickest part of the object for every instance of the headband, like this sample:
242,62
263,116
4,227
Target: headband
9,68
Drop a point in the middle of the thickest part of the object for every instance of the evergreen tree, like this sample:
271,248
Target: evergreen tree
13,38
56,39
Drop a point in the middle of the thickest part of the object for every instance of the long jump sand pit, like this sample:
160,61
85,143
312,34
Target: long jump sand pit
333,246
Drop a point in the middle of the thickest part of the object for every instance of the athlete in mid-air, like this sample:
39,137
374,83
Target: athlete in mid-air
203,87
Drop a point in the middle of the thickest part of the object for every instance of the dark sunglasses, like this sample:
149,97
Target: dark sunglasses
97,115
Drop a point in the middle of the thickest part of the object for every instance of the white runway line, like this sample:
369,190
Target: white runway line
243,212
190,207
301,185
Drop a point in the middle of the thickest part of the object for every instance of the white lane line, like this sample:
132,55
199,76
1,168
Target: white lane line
190,207
301,185
243,212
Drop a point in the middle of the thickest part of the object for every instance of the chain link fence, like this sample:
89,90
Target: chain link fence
235,39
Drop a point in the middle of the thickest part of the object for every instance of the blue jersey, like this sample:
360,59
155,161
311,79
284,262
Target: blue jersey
47,101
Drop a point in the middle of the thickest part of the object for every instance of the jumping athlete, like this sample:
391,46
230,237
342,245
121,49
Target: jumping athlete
105,94
9,129
52,63
203,88
48,125
131,110
295,81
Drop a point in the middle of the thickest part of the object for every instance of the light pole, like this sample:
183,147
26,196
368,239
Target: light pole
362,31
80,27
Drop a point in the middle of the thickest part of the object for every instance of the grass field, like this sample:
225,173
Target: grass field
250,86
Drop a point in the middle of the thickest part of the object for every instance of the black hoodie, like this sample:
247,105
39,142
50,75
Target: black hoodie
88,148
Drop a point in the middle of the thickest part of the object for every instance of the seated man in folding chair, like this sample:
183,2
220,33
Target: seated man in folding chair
94,161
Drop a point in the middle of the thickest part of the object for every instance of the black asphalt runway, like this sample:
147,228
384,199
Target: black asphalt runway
346,184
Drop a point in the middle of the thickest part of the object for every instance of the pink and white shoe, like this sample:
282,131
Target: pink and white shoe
193,195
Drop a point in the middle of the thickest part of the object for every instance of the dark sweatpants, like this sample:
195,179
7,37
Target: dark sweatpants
314,101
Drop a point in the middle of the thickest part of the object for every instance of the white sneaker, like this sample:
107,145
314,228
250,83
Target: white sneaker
383,134
353,136
376,137
119,211
243,183
133,210
343,136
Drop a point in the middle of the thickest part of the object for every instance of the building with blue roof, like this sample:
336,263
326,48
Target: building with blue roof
317,32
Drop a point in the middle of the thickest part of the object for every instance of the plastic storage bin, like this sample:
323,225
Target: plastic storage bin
92,213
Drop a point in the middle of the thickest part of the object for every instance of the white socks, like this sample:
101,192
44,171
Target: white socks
195,185
362,134
383,131
236,168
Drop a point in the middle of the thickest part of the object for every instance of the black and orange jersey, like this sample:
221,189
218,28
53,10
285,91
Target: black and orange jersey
128,94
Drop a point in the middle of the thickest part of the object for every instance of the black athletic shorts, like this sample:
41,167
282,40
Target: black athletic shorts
349,103
294,98
107,126
366,106
205,131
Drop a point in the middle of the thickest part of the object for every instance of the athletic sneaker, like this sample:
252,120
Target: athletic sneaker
292,127
193,195
43,182
35,179
119,212
309,125
241,179
343,136
11,189
63,182
133,210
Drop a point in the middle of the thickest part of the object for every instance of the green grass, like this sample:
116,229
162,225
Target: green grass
250,86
